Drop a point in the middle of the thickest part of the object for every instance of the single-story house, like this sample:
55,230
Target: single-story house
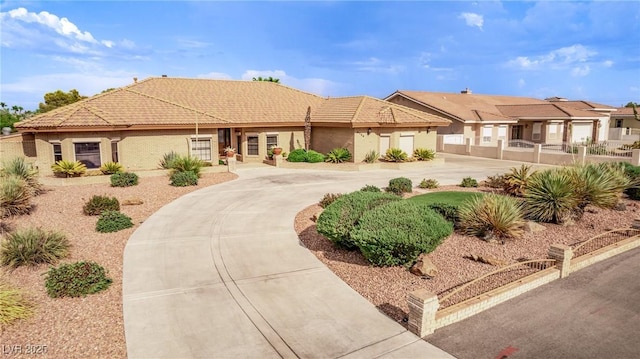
625,125
137,124
488,118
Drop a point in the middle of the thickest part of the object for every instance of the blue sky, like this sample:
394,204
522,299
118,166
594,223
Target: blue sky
578,50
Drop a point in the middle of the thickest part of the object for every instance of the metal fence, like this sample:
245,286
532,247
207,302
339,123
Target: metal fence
602,240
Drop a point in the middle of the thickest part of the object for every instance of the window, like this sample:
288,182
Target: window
252,145
272,141
553,131
114,151
88,153
502,132
619,123
487,132
537,129
239,142
57,152
201,148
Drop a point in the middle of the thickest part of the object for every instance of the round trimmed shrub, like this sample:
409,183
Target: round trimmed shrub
297,155
400,185
183,179
124,179
99,204
33,246
113,221
370,188
340,217
314,157
76,280
469,182
397,233
429,183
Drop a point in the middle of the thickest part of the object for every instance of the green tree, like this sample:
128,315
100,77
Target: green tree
632,104
267,79
12,114
53,100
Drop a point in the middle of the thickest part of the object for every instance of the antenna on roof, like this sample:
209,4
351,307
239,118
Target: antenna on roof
466,90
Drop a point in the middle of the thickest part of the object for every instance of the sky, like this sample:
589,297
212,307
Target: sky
578,50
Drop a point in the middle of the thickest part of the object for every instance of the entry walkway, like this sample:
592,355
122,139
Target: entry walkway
220,273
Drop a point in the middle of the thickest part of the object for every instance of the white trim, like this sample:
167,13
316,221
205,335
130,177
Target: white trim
407,134
201,136
272,133
86,140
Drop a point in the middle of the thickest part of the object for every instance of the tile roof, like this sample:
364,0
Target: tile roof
552,110
624,111
585,105
170,102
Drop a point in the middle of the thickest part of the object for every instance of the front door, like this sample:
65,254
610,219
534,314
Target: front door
516,132
224,140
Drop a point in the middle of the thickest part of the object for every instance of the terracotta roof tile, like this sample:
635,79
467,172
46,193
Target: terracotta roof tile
551,110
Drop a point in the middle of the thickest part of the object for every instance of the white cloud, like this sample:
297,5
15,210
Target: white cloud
60,25
472,19
376,65
607,63
580,71
215,75
316,86
561,58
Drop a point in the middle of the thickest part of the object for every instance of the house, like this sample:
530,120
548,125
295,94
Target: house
137,124
625,125
488,118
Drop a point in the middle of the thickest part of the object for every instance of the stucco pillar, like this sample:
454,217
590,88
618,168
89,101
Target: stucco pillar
635,157
500,149
278,160
231,164
423,306
467,143
440,143
562,254
582,153
537,150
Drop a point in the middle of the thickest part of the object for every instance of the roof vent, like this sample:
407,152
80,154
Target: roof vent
466,90
164,75
135,80
556,99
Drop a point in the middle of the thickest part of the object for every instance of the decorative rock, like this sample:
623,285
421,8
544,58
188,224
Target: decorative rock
424,267
132,202
531,226
620,206
487,260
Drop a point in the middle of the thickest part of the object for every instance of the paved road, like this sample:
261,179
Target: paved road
220,273
593,313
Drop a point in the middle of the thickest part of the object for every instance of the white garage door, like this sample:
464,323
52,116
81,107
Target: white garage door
385,142
406,144
580,132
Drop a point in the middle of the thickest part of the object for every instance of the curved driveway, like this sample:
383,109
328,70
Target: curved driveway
220,273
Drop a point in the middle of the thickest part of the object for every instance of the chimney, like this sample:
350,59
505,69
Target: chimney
466,91
164,75
135,80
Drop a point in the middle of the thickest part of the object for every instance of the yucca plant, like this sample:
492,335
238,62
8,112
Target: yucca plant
515,182
424,154
167,160
395,155
33,246
549,196
68,168
13,305
492,214
371,156
15,196
109,168
600,185
187,164
19,167
338,155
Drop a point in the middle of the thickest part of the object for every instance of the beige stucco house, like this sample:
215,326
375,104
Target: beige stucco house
137,124
624,126
488,118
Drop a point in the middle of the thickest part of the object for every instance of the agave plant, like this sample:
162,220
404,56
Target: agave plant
424,154
550,196
19,167
187,164
515,182
68,168
338,155
109,168
371,156
395,155
167,160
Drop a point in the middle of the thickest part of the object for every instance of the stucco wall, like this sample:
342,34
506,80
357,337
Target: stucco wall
289,138
324,139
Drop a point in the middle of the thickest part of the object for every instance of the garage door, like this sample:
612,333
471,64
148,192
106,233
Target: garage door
385,142
580,132
406,144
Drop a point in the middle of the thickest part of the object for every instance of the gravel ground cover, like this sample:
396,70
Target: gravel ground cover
93,326
387,287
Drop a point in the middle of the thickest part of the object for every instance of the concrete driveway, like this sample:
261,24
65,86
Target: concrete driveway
220,273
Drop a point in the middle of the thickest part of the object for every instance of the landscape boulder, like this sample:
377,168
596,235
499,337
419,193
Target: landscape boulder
424,267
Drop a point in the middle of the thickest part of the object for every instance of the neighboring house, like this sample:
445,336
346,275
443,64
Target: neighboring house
624,125
488,118
137,124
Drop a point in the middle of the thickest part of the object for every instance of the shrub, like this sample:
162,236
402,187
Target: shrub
109,168
98,204
183,179
68,168
492,214
314,157
297,155
167,160
447,211
469,182
633,174
371,156
328,199
341,216
396,233
370,188
76,280
124,179
395,155
428,183
20,168
515,182
424,154
187,164
15,196
13,306
599,185
113,221
33,246
399,185
496,181
549,196
338,155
